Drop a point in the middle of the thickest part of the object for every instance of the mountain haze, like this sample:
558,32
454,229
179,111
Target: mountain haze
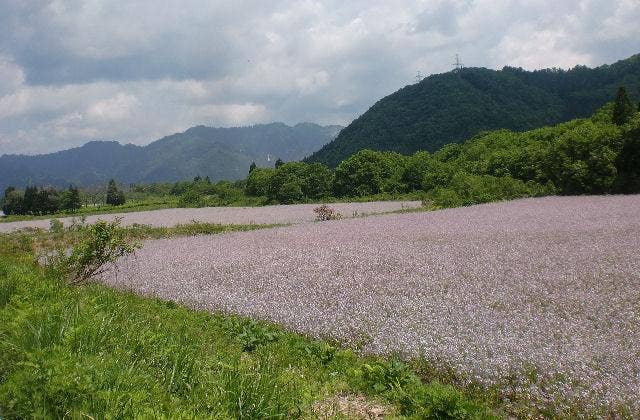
220,153
451,107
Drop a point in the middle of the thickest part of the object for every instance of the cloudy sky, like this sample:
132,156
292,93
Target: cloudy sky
136,70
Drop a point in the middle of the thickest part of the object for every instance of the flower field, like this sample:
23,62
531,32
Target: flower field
537,297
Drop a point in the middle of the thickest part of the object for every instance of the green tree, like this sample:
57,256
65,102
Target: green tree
318,181
13,202
583,160
252,167
369,172
70,199
290,192
48,201
628,162
278,163
313,180
415,170
623,108
115,196
30,201
258,182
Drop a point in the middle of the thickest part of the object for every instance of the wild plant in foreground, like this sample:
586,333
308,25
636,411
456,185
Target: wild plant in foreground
93,256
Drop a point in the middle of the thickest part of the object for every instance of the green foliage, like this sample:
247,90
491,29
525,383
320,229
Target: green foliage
306,181
56,226
465,189
36,201
204,193
321,351
369,172
115,196
439,401
13,202
622,107
253,334
291,182
70,199
582,160
379,377
105,243
289,192
258,182
452,107
397,383
628,161
30,200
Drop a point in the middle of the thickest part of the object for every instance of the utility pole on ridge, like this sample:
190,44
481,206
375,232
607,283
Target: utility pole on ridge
458,64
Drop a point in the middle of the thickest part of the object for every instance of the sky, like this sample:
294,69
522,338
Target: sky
136,70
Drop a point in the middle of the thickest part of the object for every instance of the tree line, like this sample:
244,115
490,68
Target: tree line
48,200
597,155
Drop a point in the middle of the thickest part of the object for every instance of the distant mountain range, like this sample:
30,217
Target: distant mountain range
219,153
452,107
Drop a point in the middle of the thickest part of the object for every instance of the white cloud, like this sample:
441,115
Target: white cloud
114,109
11,76
72,71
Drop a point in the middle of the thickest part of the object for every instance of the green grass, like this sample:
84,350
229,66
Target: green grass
93,351
137,231
146,204
165,202
38,240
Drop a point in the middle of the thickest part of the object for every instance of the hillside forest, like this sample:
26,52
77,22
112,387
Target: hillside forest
455,106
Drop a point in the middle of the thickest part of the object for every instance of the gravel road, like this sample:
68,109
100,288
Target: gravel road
545,288
282,214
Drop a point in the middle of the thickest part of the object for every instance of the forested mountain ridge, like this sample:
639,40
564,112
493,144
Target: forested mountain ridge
219,153
451,107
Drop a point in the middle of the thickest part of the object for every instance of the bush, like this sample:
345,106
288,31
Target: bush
93,256
325,212
468,189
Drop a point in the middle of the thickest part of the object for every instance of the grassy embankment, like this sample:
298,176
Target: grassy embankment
91,351
168,202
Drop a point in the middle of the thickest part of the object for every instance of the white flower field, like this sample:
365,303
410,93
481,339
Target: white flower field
537,296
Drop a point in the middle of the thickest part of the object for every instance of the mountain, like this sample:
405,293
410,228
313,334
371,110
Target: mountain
220,153
451,107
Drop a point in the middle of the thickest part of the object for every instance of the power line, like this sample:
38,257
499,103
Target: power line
458,64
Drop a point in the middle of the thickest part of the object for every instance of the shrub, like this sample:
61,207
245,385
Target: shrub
56,226
106,242
115,196
325,212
